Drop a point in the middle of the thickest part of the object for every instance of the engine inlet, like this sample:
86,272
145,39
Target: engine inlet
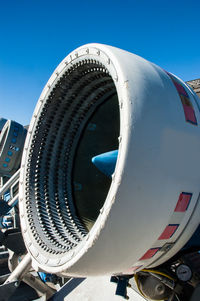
64,190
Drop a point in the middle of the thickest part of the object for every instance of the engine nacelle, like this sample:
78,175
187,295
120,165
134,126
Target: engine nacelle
2,123
78,221
12,137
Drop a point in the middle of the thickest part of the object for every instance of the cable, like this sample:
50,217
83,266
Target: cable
159,273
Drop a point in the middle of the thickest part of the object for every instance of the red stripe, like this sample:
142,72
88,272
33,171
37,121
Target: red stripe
149,254
183,202
180,88
168,232
187,104
189,114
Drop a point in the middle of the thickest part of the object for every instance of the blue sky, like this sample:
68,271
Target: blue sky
35,35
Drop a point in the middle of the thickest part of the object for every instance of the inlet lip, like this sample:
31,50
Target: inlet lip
59,263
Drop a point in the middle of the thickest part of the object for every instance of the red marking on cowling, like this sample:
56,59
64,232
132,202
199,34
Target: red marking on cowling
168,232
183,202
150,253
189,113
180,88
185,99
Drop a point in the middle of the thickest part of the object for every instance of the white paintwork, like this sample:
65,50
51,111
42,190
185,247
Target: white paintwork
158,159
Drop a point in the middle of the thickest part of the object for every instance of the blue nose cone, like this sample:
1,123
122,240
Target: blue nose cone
106,162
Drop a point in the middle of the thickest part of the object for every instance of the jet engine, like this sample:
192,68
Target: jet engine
109,179
12,137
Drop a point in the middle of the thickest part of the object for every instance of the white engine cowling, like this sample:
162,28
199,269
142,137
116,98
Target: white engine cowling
75,220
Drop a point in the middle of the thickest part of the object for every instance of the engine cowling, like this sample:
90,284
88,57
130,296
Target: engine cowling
77,220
